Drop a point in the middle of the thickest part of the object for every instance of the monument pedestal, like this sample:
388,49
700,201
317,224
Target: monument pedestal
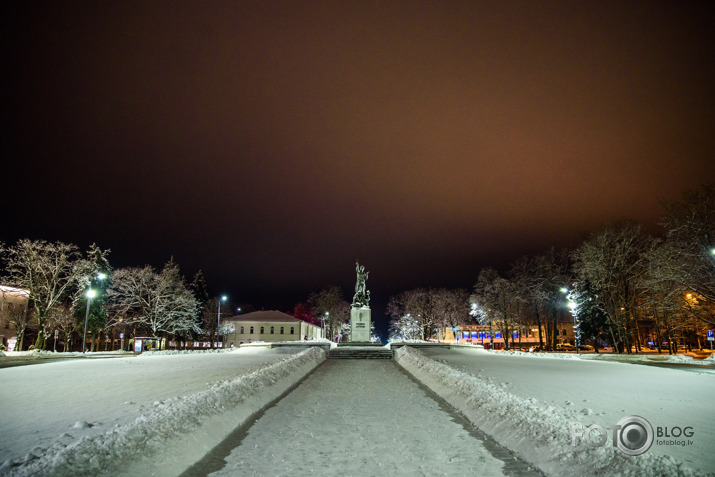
360,324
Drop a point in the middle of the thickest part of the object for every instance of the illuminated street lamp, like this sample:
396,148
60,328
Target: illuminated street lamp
218,329
323,318
90,294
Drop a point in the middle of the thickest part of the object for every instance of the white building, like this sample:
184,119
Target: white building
12,301
269,326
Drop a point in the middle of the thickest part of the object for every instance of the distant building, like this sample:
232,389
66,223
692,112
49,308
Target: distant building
519,339
13,301
269,326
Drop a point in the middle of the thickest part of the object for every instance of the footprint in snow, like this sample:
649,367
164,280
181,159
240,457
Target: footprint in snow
82,425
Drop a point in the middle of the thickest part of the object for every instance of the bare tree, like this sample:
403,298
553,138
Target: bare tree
405,327
60,319
49,271
498,296
161,302
689,255
613,261
450,307
331,307
419,305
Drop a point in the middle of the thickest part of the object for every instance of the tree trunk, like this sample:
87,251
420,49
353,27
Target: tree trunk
538,325
554,330
20,338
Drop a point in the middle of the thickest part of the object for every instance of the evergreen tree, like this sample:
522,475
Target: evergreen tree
201,294
96,276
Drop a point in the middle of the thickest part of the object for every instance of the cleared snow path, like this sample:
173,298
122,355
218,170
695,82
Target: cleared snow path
359,417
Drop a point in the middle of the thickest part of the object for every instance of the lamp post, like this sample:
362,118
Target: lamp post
218,328
90,294
323,318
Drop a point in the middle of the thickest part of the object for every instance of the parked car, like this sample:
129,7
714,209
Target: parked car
585,347
565,347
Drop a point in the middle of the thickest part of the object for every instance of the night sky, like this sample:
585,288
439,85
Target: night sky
273,143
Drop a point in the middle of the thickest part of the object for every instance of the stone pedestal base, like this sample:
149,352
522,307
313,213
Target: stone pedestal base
360,324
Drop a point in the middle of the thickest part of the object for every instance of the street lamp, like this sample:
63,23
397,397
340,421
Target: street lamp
323,318
218,328
90,294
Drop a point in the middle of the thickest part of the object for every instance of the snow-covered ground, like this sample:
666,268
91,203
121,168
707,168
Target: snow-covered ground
529,403
159,413
93,416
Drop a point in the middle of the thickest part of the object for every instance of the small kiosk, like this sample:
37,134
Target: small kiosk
146,343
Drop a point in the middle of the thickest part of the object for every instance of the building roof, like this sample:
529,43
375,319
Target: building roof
14,291
271,316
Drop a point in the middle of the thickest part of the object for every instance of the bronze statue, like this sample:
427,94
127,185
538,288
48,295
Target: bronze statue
362,295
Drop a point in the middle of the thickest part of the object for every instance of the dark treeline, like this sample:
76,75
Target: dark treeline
620,287
52,291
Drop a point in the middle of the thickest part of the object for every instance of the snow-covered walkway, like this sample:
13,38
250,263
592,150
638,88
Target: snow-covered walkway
360,417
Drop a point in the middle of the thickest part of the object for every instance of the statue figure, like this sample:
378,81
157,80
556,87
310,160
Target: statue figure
362,295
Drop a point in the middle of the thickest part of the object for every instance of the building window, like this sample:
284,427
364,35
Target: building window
281,330
262,330
251,329
242,330
271,330
291,330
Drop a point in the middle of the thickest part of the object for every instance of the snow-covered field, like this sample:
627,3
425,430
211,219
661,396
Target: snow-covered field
529,403
134,415
159,413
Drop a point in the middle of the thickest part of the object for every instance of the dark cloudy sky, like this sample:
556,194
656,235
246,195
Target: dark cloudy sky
273,143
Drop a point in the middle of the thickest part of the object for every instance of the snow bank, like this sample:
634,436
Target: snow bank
185,351
44,352
538,433
624,358
651,358
524,354
175,433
